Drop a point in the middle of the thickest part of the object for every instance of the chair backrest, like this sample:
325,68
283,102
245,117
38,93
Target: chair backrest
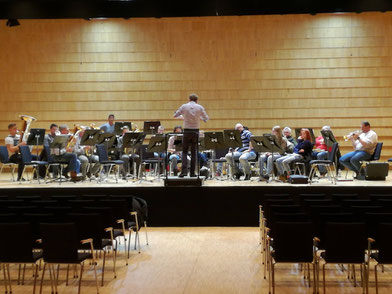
377,152
25,153
4,156
59,242
49,157
17,244
334,151
293,242
384,243
102,153
345,242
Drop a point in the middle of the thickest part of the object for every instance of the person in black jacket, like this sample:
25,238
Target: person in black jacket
301,150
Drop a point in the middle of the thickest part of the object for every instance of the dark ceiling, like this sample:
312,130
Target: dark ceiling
30,9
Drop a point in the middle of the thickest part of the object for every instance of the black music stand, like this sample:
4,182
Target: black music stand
298,133
118,126
213,141
90,138
329,138
133,141
107,139
59,142
151,127
36,138
232,140
267,143
158,144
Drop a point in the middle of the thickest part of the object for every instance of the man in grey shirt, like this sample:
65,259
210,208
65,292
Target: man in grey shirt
191,113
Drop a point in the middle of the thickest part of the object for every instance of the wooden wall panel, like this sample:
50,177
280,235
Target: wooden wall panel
296,70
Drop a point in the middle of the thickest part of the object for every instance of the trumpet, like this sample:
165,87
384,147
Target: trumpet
351,135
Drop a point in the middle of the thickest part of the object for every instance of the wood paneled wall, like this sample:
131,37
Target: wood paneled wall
290,70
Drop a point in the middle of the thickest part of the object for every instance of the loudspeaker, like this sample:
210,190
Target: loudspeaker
376,171
298,179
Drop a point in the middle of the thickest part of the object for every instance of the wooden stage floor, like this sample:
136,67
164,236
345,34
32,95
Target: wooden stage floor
5,182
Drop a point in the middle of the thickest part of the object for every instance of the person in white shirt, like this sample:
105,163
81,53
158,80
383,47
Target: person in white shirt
191,113
364,145
13,141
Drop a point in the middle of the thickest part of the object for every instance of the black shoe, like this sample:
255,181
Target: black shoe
76,179
247,178
181,175
193,175
65,174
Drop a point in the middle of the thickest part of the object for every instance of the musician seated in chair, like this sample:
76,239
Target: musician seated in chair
13,141
320,150
287,135
301,151
267,157
66,156
364,145
86,156
243,154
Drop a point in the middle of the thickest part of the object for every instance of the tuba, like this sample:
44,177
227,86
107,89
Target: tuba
27,120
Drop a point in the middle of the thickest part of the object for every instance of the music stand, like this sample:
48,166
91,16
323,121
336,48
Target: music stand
329,138
36,137
232,138
213,141
107,139
151,127
59,142
118,125
298,133
90,138
133,140
267,143
158,144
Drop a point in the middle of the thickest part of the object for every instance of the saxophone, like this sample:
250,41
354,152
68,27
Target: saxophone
27,120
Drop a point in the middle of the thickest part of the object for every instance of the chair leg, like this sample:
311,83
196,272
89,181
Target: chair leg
273,277
103,266
35,277
81,275
5,278
114,261
9,277
23,273
324,278
375,277
42,278
145,227
66,278
129,241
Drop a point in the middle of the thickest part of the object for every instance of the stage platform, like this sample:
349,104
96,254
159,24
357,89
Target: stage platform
215,203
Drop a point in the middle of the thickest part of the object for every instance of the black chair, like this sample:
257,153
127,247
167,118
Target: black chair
60,246
148,159
63,198
27,160
375,156
293,243
5,161
329,164
109,164
384,254
56,165
345,243
18,249
90,226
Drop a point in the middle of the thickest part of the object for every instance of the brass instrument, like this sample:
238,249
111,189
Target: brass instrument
72,139
351,135
27,120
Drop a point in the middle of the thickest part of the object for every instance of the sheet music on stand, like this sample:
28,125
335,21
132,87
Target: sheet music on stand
118,125
133,140
298,133
36,138
109,140
151,127
329,138
232,138
90,137
59,142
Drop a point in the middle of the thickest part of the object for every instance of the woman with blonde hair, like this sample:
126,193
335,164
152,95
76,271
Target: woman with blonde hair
269,158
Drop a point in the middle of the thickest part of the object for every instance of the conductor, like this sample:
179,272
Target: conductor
191,113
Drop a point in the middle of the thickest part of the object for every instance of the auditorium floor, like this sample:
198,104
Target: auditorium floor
5,182
199,260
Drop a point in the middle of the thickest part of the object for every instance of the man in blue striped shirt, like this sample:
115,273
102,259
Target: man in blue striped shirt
243,154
